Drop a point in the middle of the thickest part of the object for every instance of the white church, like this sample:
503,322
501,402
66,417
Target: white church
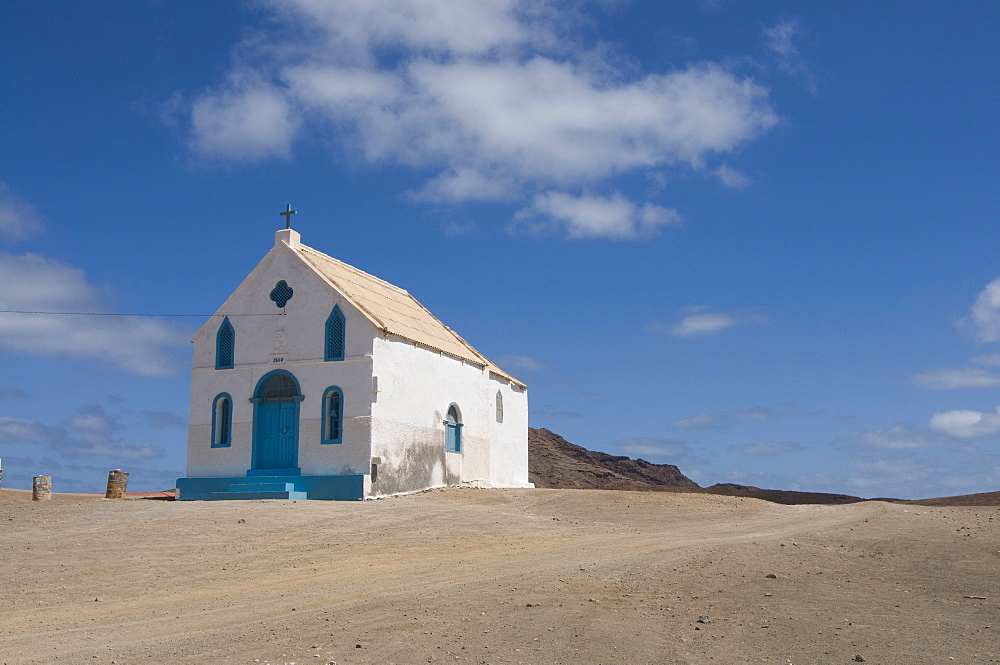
315,380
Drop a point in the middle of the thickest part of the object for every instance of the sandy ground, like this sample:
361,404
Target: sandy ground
491,576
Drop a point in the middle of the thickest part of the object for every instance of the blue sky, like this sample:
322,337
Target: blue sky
756,240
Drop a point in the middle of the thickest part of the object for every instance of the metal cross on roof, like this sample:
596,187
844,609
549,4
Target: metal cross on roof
288,215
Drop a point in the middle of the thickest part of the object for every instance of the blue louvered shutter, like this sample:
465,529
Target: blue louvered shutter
225,344
335,335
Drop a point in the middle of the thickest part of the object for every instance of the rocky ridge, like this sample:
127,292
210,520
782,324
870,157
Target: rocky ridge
554,462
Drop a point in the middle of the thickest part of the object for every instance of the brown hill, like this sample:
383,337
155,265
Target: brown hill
556,463
787,497
981,499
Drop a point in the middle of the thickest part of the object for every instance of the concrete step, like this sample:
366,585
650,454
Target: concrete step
251,495
262,487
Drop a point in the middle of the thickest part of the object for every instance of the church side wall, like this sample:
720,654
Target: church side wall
267,340
509,458
416,386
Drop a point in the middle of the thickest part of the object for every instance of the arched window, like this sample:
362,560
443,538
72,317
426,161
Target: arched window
333,415
453,430
279,387
225,345
335,335
222,421
499,407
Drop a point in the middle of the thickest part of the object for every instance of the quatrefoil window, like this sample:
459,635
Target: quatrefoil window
281,293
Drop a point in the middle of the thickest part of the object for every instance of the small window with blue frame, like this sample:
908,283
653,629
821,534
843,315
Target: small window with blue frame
333,415
453,430
222,421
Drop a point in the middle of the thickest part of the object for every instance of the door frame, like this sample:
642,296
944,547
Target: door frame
258,408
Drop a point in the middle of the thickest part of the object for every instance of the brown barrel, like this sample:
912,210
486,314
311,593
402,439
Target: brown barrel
41,488
117,482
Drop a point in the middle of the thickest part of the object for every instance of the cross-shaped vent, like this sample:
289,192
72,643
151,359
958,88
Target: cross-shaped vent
281,293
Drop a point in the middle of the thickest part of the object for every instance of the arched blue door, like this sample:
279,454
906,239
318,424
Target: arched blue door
276,423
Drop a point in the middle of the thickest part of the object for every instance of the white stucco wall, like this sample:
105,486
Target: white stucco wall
416,386
266,341
509,458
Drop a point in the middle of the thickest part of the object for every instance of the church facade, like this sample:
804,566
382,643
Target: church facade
317,380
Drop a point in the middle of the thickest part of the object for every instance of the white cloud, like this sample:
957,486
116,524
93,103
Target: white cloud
780,40
897,437
92,432
359,29
764,413
983,321
662,451
88,432
966,424
892,477
114,449
488,98
593,216
164,420
990,359
707,421
900,473
18,430
701,421
466,184
967,377
769,448
730,177
18,218
141,345
92,424
515,363
697,325
246,119
698,322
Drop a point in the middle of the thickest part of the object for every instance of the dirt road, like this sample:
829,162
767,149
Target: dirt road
489,576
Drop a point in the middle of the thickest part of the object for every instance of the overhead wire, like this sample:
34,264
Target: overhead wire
21,311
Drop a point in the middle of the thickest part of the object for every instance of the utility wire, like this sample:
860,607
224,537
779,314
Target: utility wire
20,311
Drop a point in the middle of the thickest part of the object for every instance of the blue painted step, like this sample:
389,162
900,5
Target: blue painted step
328,488
262,487
244,496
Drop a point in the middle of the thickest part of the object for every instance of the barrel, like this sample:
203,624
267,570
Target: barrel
117,482
41,488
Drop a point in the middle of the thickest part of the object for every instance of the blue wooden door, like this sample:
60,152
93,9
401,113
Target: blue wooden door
277,435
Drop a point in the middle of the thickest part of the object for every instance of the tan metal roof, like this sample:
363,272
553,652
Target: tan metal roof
392,309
